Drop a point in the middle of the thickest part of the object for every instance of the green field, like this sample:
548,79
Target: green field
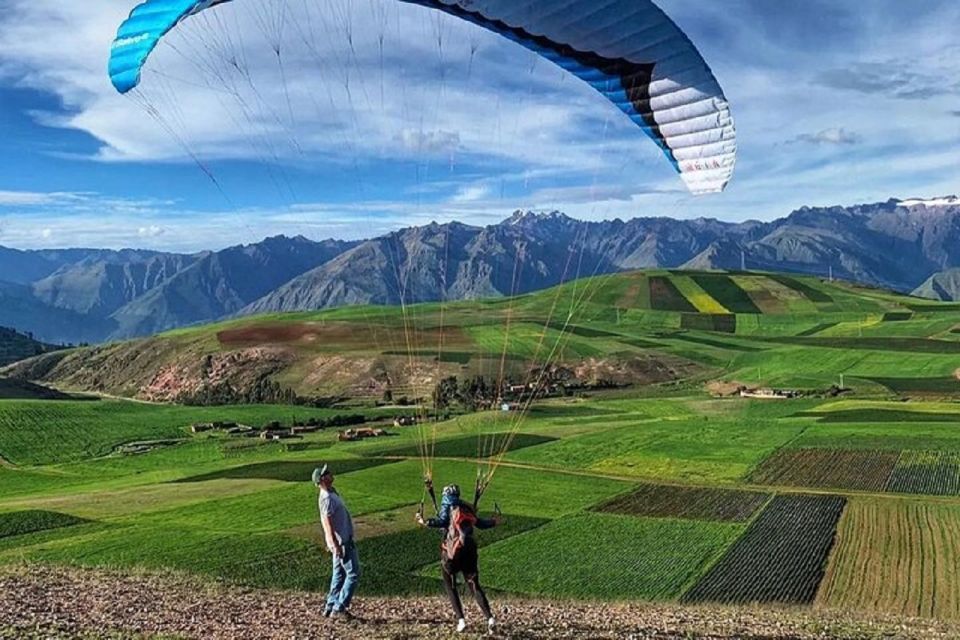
602,556
647,488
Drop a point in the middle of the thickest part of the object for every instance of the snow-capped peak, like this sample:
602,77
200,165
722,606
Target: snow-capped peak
520,217
945,201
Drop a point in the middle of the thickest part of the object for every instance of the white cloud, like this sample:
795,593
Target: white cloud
24,198
46,234
525,129
472,193
150,232
430,142
833,135
338,99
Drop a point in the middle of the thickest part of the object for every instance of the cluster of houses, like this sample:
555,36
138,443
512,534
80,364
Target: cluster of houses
769,394
275,431
352,435
270,431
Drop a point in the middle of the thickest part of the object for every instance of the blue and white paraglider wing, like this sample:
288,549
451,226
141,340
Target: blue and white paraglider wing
139,35
628,50
632,53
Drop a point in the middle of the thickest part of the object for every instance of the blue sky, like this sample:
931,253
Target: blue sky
835,102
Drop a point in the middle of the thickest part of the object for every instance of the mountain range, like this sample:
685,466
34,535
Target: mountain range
94,295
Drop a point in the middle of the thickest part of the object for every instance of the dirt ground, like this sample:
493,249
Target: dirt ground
40,602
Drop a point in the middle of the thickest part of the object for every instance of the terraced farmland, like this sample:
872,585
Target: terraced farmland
772,297
665,296
781,557
692,503
898,557
860,470
886,344
809,292
703,301
713,342
726,292
720,323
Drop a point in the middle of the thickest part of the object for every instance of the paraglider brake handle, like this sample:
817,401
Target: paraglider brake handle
428,484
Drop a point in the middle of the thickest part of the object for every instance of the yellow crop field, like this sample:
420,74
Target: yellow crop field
703,301
895,556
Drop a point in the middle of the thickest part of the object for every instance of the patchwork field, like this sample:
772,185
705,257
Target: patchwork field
895,556
857,470
607,556
633,483
927,472
686,532
780,558
690,503
802,332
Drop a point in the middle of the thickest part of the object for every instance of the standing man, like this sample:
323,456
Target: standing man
338,533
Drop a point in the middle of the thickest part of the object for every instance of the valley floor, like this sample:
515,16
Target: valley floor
44,602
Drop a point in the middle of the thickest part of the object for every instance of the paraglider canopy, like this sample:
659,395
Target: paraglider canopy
627,50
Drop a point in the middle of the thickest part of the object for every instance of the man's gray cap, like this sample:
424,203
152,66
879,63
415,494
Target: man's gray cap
319,472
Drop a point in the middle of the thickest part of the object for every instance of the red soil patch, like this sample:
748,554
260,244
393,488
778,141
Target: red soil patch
239,369
341,335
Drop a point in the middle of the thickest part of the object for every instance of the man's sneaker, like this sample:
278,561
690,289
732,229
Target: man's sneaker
491,624
343,615
327,611
461,625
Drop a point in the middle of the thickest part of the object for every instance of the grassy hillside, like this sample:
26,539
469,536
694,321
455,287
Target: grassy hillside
640,327
15,346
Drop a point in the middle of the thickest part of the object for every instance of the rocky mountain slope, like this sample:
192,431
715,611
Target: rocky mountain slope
92,296
527,252
87,295
221,283
895,244
944,285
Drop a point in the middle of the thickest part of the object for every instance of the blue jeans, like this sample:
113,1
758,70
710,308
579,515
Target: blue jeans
346,573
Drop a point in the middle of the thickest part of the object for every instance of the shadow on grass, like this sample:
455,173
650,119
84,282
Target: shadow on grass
872,416
466,446
286,471
18,523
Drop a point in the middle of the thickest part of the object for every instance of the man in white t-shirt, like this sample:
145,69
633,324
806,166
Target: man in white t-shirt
338,533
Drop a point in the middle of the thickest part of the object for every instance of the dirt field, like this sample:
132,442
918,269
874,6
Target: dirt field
896,556
60,603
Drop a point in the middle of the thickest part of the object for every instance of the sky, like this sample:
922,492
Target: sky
351,118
